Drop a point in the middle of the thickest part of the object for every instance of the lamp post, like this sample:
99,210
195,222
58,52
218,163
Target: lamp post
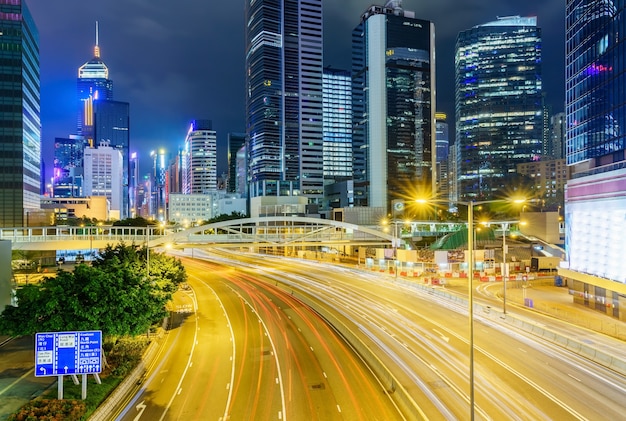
470,280
147,253
395,248
505,266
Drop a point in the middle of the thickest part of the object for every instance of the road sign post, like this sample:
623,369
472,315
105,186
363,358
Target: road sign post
68,353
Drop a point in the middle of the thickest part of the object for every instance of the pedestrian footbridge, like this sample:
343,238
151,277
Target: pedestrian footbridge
261,232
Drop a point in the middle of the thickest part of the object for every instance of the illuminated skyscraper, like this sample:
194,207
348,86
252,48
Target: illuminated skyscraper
103,176
393,69
68,166
93,83
111,124
20,136
284,98
337,123
100,118
200,158
442,148
499,121
337,94
595,196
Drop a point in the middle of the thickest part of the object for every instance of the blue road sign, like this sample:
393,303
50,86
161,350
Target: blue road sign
60,353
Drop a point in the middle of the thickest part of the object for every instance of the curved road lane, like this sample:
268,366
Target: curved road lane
241,348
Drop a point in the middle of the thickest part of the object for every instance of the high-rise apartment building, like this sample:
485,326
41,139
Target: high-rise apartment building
393,70
595,196
20,132
200,158
103,176
499,121
284,98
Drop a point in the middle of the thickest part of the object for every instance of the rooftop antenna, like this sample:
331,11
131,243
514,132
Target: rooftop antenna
96,49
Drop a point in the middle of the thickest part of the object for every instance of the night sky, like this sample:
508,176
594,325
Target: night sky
175,61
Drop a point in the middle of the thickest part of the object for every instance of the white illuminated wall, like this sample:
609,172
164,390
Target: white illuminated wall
596,224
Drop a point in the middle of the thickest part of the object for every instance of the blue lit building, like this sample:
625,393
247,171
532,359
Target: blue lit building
284,98
20,127
68,166
393,70
595,196
93,84
499,115
111,124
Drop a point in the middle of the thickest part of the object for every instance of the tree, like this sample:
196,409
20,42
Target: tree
114,295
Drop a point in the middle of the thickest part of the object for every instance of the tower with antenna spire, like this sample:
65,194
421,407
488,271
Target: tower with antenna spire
93,83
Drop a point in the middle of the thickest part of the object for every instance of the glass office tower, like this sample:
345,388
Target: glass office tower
595,196
111,124
498,90
284,98
93,83
20,127
337,94
393,70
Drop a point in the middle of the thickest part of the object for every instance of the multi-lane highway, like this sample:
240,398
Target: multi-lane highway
242,348
425,343
243,343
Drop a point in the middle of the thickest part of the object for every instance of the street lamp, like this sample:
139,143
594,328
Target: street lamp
395,244
470,278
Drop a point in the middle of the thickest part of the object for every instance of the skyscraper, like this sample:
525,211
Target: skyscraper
337,123
103,176
235,142
68,166
100,118
284,98
93,84
499,121
20,135
442,148
595,196
200,158
111,124
393,69
556,145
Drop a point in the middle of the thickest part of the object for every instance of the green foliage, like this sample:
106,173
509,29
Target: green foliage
134,222
224,217
50,409
123,355
114,295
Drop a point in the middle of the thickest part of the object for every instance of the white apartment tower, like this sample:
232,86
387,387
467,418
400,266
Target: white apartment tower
103,175
200,158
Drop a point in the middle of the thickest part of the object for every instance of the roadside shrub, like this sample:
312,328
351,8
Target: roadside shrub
50,410
123,355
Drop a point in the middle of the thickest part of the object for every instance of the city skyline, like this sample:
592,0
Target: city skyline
164,63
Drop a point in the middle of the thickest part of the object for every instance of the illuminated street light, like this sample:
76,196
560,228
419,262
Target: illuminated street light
470,278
